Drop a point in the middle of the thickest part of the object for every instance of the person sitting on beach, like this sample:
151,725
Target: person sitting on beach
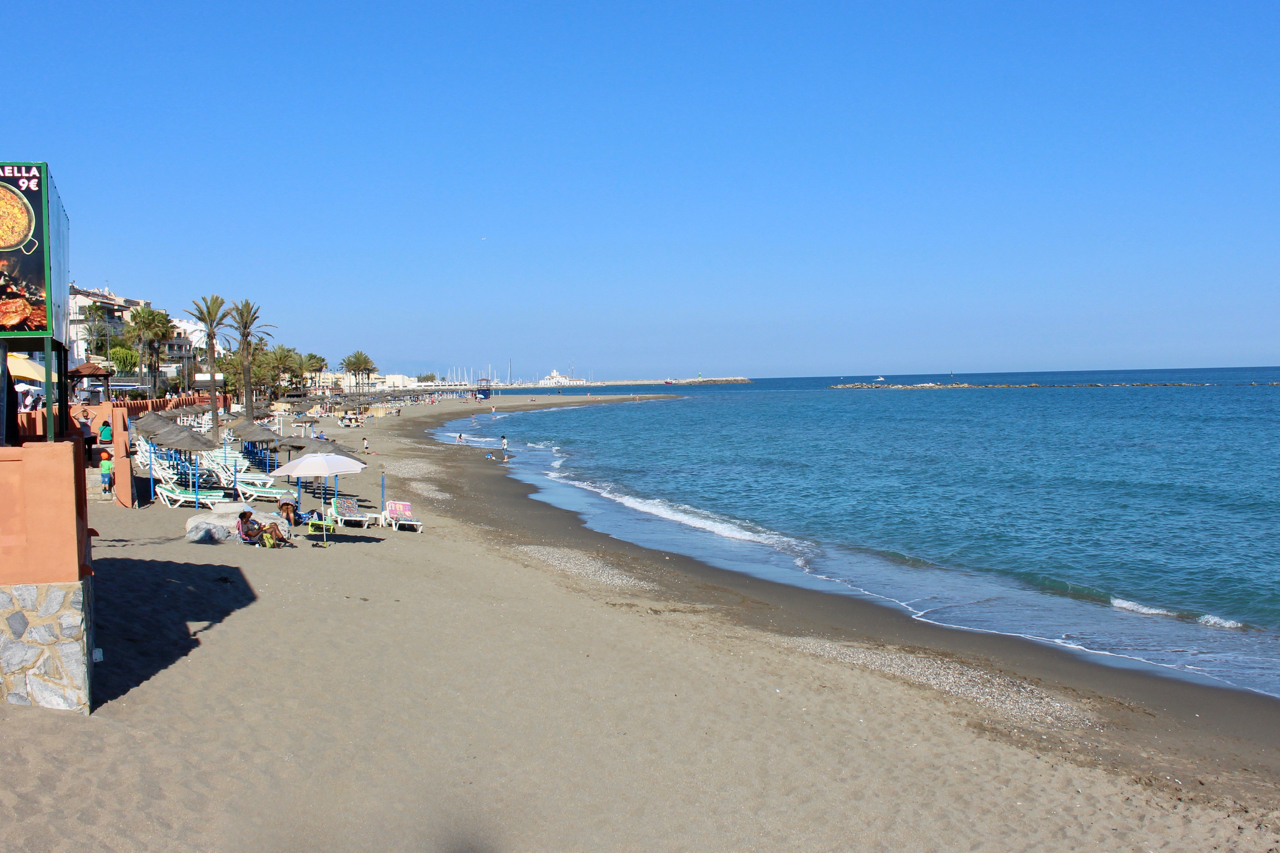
288,506
256,533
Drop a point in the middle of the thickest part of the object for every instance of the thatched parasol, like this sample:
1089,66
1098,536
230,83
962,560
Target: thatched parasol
253,432
181,438
314,445
151,423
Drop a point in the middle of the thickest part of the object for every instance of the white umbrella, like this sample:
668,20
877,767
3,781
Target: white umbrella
320,465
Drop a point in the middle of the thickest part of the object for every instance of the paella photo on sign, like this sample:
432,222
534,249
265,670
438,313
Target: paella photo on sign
22,261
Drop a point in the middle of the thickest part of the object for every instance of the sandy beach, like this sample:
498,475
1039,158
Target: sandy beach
509,680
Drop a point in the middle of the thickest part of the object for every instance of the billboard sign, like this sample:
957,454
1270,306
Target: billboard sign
34,254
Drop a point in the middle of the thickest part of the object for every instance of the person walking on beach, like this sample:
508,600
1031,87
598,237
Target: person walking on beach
366,445
504,445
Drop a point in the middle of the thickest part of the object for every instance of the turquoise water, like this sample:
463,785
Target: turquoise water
1138,524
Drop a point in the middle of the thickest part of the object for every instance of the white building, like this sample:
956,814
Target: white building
194,333
115,313
349,382
556,379
398,380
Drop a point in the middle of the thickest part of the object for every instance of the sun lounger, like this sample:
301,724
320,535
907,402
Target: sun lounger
252,492
172,496
400,514
345,513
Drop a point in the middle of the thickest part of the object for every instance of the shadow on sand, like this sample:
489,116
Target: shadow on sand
148,614
340,537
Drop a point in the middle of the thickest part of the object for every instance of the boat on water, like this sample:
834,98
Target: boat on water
669,382
879,378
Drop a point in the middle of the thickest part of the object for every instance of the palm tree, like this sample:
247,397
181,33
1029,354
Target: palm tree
136,337
212,313
348,366
96,330
359,365
312,366
244,320
96,333
282,361
159,330
147,329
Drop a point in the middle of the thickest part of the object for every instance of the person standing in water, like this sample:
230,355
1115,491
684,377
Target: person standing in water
504,445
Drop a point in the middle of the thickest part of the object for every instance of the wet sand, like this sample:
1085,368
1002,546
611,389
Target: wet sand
509,680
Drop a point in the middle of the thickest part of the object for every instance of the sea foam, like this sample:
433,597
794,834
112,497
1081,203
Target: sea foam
1219,622
696,518
1135,607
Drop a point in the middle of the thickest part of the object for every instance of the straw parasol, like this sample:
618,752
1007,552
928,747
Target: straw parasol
253,432
315,445
151,423
181,438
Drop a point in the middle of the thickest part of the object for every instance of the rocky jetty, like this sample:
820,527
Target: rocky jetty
727,380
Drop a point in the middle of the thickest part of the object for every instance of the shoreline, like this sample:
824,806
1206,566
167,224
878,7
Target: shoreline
1147,725
507,679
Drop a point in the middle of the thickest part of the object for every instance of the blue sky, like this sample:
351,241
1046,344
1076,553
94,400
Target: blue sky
649,190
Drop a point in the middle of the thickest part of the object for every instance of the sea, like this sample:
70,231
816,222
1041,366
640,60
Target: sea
1136,525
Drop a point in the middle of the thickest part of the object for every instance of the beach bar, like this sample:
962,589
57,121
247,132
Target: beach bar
46,582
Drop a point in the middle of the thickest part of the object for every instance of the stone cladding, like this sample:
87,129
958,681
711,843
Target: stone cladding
46,644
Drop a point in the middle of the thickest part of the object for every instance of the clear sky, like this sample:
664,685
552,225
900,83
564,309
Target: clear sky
645,190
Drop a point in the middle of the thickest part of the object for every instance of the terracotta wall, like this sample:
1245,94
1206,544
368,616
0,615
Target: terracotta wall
44,525
137,407
32,423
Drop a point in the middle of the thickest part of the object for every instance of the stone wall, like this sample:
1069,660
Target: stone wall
46,644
